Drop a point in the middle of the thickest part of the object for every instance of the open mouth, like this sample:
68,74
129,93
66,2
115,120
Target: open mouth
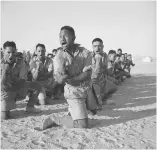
11,59
41,56
97,51
64,43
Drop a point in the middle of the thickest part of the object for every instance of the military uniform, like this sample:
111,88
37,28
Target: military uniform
111,81
10,85
76,93
123,72
99,75
128,64
45,81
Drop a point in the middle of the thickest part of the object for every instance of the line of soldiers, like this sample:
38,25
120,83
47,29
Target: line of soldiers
86,78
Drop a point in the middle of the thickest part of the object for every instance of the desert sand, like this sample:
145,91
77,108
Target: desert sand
128,123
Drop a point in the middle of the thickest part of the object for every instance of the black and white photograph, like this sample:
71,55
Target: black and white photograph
78,74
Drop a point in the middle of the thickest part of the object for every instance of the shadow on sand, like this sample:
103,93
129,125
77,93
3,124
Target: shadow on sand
135,99
136,102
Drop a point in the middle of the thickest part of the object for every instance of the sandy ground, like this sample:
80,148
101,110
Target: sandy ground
130,123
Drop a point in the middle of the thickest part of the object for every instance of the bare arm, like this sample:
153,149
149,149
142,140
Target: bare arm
81,77
5,83
97,64
132,64
35,73
87,71
34,68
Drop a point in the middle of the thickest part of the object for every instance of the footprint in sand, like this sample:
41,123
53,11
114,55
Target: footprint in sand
4,135
35,142
38,142
78,146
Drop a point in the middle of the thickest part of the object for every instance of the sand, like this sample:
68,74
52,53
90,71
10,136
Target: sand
129,123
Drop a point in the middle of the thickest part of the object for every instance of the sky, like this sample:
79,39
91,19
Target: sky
120,24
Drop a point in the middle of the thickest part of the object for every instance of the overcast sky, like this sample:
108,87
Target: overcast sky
126,25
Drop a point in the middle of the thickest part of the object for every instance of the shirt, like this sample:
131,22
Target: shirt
117,67
10,76
123,65
81,61
128,64
99,66
47,66
110,67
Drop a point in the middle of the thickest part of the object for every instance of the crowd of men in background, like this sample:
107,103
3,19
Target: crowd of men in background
86,78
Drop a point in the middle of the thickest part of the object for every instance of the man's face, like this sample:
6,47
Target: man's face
66,39
40,51
9,54
119,52
117,59
122,58
97,47
111,57
129,57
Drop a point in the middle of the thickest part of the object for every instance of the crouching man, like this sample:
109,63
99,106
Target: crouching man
11,83
41,69
99,70
76,81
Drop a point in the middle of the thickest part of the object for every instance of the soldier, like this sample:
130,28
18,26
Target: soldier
77,76
129,63
99,70
11,83
41,69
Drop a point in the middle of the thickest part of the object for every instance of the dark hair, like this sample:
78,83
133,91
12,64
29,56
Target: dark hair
54,50
49,54
120,50
40,45
97,40
117,55
9,44
125,53
112,52
129,55
70,29
19,55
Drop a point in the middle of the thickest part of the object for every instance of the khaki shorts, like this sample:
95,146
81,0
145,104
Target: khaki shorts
77,108
76,98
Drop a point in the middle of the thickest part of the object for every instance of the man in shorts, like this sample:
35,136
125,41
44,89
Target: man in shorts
11,83
78,76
